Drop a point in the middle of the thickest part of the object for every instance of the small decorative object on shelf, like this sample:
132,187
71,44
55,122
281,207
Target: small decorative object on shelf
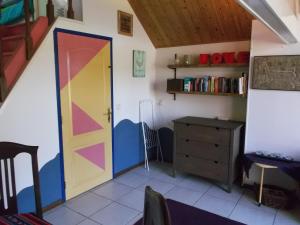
176,60
216,58
243,57
228,57
204,59
174,85
187,59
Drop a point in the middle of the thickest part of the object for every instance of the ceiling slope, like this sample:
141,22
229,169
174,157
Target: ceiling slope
188,22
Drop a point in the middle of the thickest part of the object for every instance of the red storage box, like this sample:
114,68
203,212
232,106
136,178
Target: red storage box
243,57
228,57
204,58
217,58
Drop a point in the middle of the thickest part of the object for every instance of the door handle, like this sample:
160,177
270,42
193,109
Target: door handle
108,114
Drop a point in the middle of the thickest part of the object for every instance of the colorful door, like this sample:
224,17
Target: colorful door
84,63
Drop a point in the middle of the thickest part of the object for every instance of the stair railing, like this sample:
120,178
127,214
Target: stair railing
70,12
28,38
50,12
3,86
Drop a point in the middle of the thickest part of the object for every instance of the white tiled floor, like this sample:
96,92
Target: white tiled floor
121,201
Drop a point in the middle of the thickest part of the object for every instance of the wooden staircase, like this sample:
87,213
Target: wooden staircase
19,42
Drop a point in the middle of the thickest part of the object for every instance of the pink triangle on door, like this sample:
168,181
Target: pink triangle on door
95,154
82,122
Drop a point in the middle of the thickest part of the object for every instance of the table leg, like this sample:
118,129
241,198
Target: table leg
261,185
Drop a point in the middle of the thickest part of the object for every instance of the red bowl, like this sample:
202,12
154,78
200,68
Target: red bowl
229,57
243,57
204,58
217,58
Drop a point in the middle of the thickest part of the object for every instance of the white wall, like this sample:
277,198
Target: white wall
288,13
29,114
223,107
101,16
273,122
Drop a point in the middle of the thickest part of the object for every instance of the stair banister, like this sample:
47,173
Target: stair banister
70,12
50,12
28,39
3,86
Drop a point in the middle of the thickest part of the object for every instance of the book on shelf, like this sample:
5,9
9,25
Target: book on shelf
217,85
212,84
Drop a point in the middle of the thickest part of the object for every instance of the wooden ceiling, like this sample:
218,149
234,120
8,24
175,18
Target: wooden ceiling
188,22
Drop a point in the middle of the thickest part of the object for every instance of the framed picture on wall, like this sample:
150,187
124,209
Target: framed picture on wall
280,72
139,63
125,23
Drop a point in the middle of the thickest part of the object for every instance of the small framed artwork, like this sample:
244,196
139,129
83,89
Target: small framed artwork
125,23
139,63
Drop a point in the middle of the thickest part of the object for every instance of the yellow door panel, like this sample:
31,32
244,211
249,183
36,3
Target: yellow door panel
85,92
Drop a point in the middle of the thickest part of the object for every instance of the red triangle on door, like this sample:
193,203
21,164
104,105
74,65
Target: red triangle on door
95,154
82,122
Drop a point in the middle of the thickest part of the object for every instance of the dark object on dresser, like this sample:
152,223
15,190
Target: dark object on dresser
208,148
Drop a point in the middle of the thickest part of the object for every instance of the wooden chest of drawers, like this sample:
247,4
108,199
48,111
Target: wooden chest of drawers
208,148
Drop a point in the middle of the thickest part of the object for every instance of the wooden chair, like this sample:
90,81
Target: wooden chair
155,210
158,211
8,199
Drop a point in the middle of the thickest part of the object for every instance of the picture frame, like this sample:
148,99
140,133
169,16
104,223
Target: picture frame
125,23
280,72
139,63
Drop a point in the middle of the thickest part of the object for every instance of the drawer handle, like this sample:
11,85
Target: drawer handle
216,162
186,156
187,140
217,128
216,145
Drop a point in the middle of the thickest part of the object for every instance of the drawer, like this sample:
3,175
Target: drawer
212,135
206,168
203,149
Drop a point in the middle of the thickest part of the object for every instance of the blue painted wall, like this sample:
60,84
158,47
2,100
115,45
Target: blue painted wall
51,187
128,145
128,151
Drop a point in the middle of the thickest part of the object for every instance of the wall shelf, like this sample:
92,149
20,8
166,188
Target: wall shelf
207,93
223,65
233,65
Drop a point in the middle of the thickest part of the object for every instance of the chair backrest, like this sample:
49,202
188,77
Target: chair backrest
155,210
8,198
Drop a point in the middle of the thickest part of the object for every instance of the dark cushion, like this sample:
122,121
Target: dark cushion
184,214
22,219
